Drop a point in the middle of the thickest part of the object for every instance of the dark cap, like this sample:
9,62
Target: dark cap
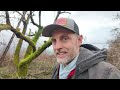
66,23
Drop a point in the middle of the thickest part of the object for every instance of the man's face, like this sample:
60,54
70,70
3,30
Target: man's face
66,45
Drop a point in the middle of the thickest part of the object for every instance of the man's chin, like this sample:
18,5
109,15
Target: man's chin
62,61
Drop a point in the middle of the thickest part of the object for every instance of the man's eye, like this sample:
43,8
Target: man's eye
65,38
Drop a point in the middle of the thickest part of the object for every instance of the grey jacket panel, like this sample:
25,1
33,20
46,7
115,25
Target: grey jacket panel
88,58
92,65
104,70
55,71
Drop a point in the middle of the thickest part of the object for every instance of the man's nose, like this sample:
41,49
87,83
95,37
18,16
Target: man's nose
58,45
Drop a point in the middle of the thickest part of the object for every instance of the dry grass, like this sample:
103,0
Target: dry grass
40,68
114,53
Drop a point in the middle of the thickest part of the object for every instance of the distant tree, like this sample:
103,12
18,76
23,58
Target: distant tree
114,46
1,43
13,35
31,52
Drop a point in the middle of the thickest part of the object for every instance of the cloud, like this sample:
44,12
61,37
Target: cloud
95,26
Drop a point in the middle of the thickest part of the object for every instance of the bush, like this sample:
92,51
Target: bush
114,51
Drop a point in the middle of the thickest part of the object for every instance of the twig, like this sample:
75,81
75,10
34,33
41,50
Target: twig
33,20
7,18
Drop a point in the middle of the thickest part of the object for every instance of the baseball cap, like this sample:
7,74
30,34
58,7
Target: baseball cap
65,23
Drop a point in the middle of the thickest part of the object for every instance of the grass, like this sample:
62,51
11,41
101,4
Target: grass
114,53
39,68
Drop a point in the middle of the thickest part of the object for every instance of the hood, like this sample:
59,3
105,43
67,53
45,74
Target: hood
88,58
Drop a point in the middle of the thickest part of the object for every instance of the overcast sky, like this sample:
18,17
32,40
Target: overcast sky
95,26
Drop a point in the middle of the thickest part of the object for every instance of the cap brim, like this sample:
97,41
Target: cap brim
47,31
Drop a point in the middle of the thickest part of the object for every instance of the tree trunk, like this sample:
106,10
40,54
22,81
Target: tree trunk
11,39
18,47
6,49
23,64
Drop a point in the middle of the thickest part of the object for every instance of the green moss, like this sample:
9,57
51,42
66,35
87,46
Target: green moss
22,71
17,51
23,64
35,39
5,27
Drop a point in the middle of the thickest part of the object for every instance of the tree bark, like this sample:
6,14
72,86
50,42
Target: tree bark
23,64
13,35
18,47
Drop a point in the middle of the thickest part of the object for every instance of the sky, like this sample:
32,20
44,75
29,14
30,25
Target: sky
95,26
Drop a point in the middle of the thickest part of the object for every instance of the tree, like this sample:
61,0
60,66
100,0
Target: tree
13,35
31,52
114,46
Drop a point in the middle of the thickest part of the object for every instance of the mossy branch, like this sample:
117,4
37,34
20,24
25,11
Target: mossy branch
23,64
18,34
4,27
35,39
18,47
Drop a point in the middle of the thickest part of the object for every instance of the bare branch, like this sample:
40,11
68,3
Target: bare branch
18,34
31,16
117,16
22,36
39,18
2,16
31,35
19,13
1,43
23,18
60,12
65,12
7,18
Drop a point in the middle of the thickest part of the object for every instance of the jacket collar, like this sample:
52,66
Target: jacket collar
89,58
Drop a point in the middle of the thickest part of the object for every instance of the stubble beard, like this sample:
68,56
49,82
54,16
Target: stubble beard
67,59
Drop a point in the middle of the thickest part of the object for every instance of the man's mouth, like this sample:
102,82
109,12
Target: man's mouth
61,54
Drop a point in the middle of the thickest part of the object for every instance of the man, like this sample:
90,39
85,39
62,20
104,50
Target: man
75,61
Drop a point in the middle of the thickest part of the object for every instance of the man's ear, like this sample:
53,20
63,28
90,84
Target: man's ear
80,39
